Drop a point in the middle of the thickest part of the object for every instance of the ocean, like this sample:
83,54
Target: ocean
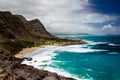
97,60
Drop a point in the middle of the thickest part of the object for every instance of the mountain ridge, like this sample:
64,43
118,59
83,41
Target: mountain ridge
38,27
19,28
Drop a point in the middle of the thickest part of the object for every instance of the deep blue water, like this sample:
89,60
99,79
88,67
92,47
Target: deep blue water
103,64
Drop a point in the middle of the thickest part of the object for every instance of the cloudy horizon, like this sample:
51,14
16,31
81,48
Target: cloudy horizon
70,16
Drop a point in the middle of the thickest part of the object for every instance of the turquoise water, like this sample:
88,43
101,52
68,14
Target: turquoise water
98,60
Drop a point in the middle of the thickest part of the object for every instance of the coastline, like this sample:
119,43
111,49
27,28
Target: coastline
43,56
27,50
25,68
46,53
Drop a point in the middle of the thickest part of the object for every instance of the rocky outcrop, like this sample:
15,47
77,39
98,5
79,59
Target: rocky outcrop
17,71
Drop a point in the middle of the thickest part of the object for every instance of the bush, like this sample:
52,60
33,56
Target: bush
16,46
10,36
1,22
2,29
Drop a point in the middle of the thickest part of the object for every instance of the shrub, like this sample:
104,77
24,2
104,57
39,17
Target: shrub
1,22
2,29
10,36
17,46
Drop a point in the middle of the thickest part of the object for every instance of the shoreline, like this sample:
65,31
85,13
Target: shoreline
25,51
46,54
34,61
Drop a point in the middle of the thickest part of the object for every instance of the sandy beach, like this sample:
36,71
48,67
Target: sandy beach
27,51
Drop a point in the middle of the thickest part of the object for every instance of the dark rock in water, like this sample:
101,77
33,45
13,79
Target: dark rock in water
35,61
27,58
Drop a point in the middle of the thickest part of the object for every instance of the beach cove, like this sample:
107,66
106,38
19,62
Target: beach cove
42,59
80,61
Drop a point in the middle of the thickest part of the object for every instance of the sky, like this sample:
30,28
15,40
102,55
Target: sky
70,16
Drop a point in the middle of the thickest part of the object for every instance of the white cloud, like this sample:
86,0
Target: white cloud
110,29
63,16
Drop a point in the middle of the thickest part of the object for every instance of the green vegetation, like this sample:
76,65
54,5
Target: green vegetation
16,46
61,42
2,29
1,22
10,35
56,41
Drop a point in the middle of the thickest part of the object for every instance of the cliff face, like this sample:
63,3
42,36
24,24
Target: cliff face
17,27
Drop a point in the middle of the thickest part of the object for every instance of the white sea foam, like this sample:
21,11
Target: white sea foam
112,44
56,70
113,53
88,69
42,56
95,43
79,49
62,72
